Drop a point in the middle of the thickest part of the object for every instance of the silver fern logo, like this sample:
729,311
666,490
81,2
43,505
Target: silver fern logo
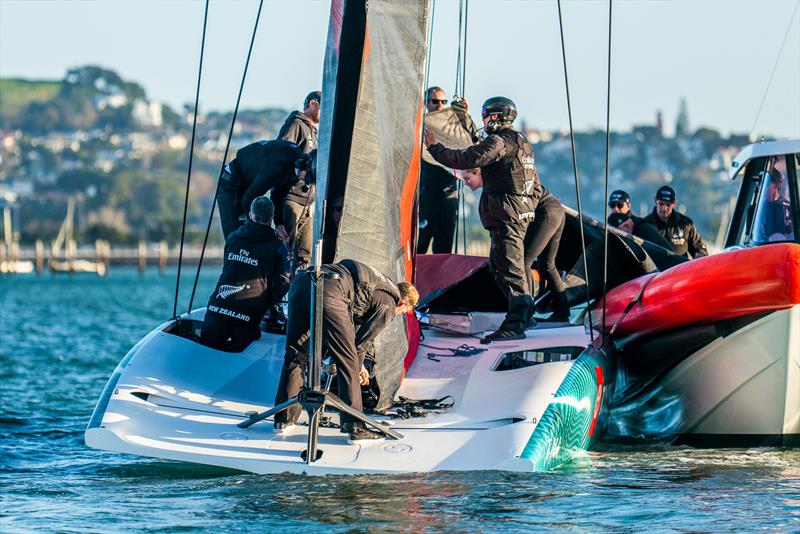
226,290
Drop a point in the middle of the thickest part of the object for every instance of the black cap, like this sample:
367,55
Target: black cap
262,209
618,196
313,95
615,219
665,193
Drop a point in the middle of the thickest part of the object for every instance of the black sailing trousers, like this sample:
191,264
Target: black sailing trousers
438,217
338,341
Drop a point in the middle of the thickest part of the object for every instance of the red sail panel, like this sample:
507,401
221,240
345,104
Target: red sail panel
707,290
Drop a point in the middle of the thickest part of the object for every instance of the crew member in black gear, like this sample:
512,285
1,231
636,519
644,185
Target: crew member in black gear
511,194
438,192
638,227
256,169
294,201
677,228
357,306
300,127
255,276
549,213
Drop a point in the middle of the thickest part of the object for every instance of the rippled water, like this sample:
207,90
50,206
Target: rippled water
61,337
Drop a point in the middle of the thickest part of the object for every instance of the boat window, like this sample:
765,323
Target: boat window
527,358
773,220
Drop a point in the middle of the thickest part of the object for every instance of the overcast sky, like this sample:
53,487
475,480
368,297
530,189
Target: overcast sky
717,54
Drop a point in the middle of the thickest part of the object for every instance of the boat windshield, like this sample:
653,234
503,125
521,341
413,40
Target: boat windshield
773,220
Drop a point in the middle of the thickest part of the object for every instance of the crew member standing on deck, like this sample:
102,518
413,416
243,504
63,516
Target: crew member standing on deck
676,227
357,305
300,127
511,194
255,276
438,192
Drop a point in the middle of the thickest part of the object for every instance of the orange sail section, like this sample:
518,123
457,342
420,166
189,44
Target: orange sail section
706,290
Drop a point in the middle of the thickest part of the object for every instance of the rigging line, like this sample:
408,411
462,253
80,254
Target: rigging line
225,156
608,164
430,51
458,58
191,157
774,69
464,66
575,164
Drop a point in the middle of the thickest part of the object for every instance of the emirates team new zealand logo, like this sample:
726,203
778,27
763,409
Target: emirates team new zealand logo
226,291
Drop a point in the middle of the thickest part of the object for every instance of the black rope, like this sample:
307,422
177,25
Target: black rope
574,163
608,156
464,66
225,156
460,41
191,158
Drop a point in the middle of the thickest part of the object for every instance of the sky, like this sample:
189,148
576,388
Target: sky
717,54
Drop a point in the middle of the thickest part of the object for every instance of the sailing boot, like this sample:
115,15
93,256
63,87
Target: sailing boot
518,318
561,309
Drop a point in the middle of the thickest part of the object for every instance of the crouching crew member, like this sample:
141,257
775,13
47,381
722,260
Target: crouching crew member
677,228
638,227
255,170
255,275
511,194
357,306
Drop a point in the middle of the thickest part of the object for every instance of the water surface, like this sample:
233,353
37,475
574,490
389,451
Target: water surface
60,338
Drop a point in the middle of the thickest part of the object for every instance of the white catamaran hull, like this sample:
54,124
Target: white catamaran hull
173,398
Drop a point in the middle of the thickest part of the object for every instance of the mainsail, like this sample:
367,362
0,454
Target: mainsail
369,148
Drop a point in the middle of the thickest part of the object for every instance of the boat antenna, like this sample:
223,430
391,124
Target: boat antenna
774,69
225,156
191,158
608,157
574,163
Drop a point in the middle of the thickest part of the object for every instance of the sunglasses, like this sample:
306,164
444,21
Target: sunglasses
619,205
436,101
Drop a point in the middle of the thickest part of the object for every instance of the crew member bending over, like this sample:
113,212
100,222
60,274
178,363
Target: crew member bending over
357,306
255,275
255,170
511,195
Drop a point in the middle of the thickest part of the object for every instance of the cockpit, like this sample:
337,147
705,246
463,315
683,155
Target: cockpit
767,210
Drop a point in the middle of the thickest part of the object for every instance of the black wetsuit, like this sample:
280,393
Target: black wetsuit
357,306
511,194
681,233
259,167
255,275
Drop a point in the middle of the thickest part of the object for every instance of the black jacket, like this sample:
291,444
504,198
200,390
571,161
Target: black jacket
648,232
506,161
681,233
255,274
260,167
299,129
372,299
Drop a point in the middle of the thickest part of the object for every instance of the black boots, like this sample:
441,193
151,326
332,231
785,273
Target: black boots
518,319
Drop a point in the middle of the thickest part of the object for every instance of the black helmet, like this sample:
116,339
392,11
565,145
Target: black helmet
504,107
